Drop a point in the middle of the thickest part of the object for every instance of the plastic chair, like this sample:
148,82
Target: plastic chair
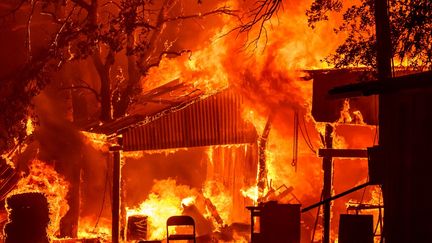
181,220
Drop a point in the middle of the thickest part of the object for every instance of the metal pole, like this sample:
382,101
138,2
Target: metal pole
115,226
327,186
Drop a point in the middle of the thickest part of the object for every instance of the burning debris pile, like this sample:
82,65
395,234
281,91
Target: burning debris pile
42,184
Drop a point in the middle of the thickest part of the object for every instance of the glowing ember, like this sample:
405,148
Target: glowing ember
43,178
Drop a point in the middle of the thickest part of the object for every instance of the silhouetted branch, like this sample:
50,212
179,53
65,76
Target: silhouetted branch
222,10
13,10
28,33
163,54
86,87
258,16
83,4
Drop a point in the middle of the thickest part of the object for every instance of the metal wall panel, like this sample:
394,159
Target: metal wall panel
216,120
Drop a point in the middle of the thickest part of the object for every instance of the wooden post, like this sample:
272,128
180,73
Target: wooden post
328,182
384,56
384,45
115,225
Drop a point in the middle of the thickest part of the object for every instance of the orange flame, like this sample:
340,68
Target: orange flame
140,154
29,126
217,194
201,68
97,140
164,201
87,229
251,193
43,178
346,117
188,201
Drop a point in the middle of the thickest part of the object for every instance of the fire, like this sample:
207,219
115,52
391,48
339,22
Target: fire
201,68
346,117
87,229
43,178
165,200
188,201
216,193
370,206
29,126
252,116
140,154
271,82
279,157
251,193
98,141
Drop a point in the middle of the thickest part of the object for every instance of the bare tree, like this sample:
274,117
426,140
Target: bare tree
111,35
107,32
410,23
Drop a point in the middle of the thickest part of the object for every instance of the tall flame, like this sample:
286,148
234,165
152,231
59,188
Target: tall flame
43,178
165,200
216,193
98,141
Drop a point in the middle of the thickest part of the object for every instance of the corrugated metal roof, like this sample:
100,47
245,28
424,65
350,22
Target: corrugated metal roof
215,120
170,96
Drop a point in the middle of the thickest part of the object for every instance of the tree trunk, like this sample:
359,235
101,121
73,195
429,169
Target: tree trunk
105,86
125,95
103,69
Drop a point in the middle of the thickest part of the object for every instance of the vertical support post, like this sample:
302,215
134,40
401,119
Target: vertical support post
384,69
328,183
115,225
383,39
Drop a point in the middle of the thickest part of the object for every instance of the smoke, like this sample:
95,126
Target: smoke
61,144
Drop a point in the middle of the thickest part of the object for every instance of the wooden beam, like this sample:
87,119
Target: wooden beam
415,81
343,153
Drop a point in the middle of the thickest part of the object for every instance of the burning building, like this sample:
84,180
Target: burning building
144,110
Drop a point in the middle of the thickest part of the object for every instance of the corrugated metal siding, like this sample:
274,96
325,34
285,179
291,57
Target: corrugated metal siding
214,121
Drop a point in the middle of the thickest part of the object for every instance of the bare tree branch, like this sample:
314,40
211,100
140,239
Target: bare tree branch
83,4
86,87
163,54
28,33
222,10
13,10
258,16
